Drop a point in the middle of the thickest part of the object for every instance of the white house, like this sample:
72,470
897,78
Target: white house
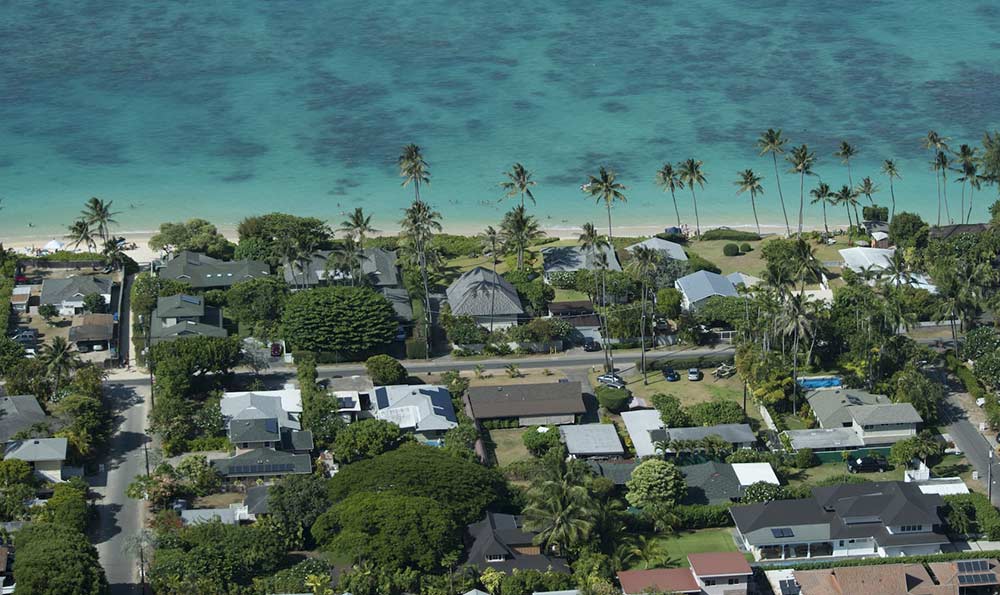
699,286
45,455
68,294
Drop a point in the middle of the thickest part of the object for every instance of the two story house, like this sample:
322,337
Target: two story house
179,316
423,410
882,519
204,272
501,541
68,294
849,419
711,573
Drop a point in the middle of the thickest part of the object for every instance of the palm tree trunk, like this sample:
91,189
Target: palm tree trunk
676,210
697,221
968,217
607,327
602,318
826,228
944,191
781,197
892,193
954,335
795,368
802,199
856,216
938,180
610,237
493,288
850,223
753,205
961,213
427,301
642,334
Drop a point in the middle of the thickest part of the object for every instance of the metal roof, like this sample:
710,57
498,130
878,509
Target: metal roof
896,413
701,285
592,440
36,449
567,259
830,438
18,413
420,408
860,258
669,249
526,400
481,292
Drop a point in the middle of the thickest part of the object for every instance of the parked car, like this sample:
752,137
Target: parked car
276,350
618,385
670,375
608,378
590,345
867,464
694,374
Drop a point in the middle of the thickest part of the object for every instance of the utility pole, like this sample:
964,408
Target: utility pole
989,476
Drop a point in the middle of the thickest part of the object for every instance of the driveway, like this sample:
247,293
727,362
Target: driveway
120,518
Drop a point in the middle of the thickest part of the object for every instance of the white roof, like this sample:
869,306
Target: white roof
639,424
291,397
943,486
751,473
843,438
420,408
348,400
53,245
669,249
226,516
743,279
879,235
701,285
250,405
592,439
858,259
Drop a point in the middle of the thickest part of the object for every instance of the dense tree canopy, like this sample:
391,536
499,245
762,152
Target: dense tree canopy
671,411
257,304
655,483
272,227
385,370
196,235
147,288
347,320
762,491
462,487
57,560
68,506
711,413
365,439
396,529
296,501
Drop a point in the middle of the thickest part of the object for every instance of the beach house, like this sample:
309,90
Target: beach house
68,294
667,249
179,316
699,286
204,272
569,259
487,297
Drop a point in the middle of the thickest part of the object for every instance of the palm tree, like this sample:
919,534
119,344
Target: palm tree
345,259
80,233
604,187
643,265
413,168
59,360
560,512
358,225
306,249
772,142
420,223
691,174
594,243
867,187
802,160
99,216
846,196
113,253
845,152
668,179
891,171
518,183
805,264
822,194
797,322
967,166
518,230
941,164
939,144
491,239
750,182
975,183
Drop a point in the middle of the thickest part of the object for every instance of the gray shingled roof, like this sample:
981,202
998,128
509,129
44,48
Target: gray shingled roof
567,259
619,472
704,284
591,440
473,294
201,271
180,306
893,502
669,249
400,300
36,449
497,534
159,332
896,413
254,430
831,406
19,413
526,400
263,462
839,438
379,265
73,289
710,483
92,327
256,499
731,433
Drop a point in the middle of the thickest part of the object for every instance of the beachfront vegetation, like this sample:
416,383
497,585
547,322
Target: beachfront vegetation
195,235
346,320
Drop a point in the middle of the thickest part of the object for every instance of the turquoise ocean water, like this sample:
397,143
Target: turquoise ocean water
221,109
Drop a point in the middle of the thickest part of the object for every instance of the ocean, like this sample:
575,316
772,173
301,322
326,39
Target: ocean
225,109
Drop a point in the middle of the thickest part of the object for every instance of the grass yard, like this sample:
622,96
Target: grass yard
690,393
507,445
217,500
676,547
570,295
954,465
752,263
501,378
828,470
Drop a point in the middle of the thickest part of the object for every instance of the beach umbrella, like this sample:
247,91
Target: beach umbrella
53,246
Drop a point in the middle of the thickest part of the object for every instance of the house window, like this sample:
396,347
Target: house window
494,558
910,528
734,581
709,582
841,543
782,532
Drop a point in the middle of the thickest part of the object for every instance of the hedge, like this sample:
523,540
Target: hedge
964,374
731,250
612,399
682,362
6,290
970,555
703,516
985,519
730,234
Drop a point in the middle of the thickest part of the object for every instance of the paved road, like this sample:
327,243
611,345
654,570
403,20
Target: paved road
972,442
121,519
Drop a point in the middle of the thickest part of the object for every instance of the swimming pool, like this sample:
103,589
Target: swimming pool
820,382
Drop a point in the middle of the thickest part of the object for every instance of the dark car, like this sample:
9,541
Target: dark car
868,464
591,345
276,350
671,375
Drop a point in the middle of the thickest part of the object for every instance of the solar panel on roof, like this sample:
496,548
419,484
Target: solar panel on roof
190,299
788,587
977,579
973,566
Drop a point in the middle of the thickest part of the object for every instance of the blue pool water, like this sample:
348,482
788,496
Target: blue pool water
819,382
222,109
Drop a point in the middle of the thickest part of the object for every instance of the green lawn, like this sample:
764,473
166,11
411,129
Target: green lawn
569,295
828,470
752,263
690,393
507,445
676,547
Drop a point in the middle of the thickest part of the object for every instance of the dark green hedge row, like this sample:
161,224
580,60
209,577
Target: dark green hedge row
971,555
683,362
730,234
703,516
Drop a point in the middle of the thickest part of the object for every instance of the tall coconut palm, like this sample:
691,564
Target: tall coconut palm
604,188
846,196
750,183
80,232
967,166
868,187
669,180
821,194
805,265
643,265
691,174
796,321
413,168
357,226
560,512
591,241
772,142
845,152
518,183
306,250
59,360
802,160
939,145
940,165
419,224
975,183
891,171
491,241
113,254
345,260
99,216
518,229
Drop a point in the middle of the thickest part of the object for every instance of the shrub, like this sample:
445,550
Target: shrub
538,440
703,516
745,247
697,263
982,517
731,250
384,369
350,320
416,348
681,363
677,238
762,491
612,399
668,302
730,234
805,458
